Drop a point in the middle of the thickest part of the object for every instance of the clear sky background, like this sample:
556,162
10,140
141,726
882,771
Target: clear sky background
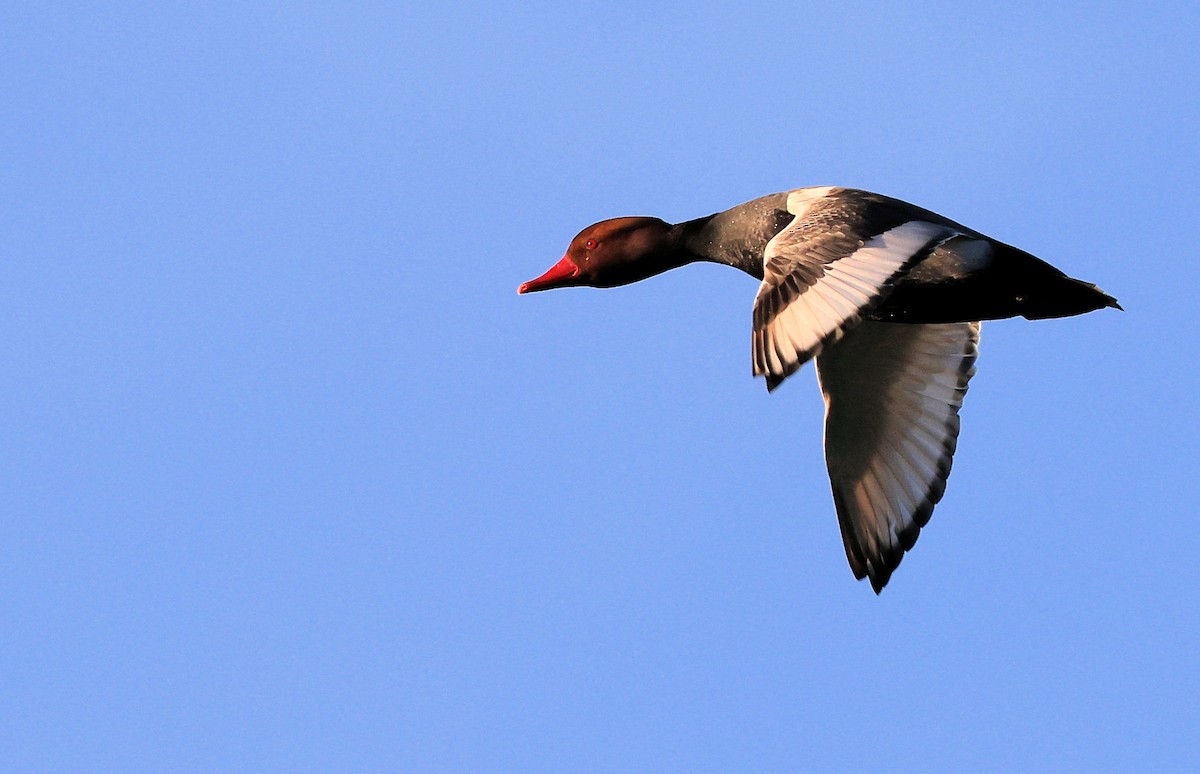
293,480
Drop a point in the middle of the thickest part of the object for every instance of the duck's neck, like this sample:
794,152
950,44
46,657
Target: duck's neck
736,237
693,239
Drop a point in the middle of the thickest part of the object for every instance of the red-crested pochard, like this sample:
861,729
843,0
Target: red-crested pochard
887,297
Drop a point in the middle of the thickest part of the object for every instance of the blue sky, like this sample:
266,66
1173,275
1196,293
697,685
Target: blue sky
294,480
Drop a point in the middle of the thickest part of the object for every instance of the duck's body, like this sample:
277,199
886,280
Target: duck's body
887,296
965,278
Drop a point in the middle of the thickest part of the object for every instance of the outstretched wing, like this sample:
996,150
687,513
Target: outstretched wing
892,395
829,268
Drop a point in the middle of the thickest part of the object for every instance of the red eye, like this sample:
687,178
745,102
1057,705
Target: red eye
590,244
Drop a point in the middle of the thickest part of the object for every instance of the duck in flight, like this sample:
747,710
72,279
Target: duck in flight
888,298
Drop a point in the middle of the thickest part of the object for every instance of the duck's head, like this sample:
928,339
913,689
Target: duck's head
610,253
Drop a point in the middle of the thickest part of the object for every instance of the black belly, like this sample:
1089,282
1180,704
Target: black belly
957,300
1013,283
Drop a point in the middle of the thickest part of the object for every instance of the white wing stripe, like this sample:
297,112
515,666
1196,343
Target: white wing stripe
823,311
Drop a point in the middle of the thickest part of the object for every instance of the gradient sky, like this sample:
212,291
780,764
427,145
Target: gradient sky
293,480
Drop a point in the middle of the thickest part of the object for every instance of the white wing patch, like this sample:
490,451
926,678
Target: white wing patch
845,288
892,396
800,200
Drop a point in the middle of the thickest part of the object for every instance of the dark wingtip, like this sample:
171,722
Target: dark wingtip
877,583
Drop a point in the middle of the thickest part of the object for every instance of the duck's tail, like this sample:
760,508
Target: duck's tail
1063,296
